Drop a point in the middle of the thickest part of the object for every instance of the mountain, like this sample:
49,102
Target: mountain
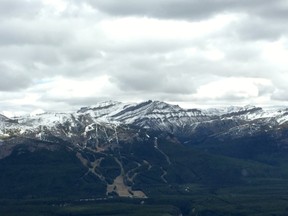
151,115
142,150
112,122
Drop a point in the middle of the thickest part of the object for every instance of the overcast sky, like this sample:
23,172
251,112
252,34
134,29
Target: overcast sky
64,54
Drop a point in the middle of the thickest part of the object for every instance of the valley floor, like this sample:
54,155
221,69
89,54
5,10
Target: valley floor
262,197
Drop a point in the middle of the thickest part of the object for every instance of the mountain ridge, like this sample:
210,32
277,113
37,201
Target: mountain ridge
154,115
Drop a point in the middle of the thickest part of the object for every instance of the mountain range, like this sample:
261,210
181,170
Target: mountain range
149,115
142,150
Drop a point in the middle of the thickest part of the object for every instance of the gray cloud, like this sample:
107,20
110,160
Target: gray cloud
263,20
20,8
188,9
33,32
161,9
276,10
12,79
280,95
255,28
265,90
146,73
